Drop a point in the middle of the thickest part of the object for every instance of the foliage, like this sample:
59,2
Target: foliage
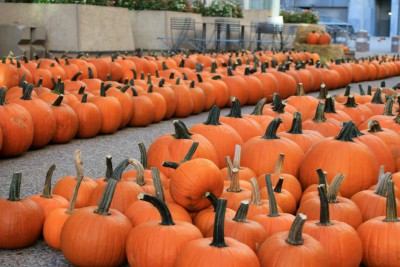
223,8
305,16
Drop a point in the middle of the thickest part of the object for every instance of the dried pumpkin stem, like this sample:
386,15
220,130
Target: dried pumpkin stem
255,193
279,163
139,171
381,188
105,201
319,114
237,156
324,206
323,92
374,126
388,107
47,183
241,214
347,132
334,188
155,174
272,129
273,208
213,116
143,155
218,236
181,131
300,90
234,177
236,111
27,92
166,217
296,230
351,102
391,209
329,105
377,98
15,187
78,164
74,197
109,168
259,107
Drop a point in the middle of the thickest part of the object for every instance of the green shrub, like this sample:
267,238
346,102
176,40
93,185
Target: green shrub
305,16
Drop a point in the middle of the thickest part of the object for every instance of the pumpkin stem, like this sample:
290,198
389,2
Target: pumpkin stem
81,90
15,187
233,173
218,236
323,92
319,114
374,126
166,217
189,155
259,107
347,132
273,208
297,127
181,131
78,164
199,78
272,128
58,101
295,237
241,214
351,102
109,168
397,119
143,155
300,90
255,192
84,98
329,105
3,90
212,198
117,172
105,201
361,89
391,209
236,111
47,183
76,76
139,171
90,73
334,188
170,164
74,197
155,174
324,207
27,92
213,116
348,89
377,98
381,188
322,178
278,186
279,163
388,107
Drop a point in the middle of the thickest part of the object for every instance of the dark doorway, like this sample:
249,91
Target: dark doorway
382,22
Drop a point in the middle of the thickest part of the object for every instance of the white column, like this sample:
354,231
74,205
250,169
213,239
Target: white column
274,6
394,19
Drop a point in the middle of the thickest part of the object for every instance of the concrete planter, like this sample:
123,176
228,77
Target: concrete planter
74,28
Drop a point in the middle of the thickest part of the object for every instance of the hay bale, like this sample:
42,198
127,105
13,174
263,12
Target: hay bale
326,52
304,29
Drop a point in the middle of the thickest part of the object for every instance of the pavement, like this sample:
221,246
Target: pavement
123,144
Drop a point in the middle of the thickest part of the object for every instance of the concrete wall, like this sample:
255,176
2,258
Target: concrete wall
72,27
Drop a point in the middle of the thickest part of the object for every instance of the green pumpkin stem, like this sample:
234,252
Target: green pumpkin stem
272,128
212,198
347,133
236,111
84,98
259,107
297,127
181,131
150,89
76,76
199,78
170,164
27,92
324,206
229,71
81,90
361,89
213,116
188,157
58,101
295,237
351,102
218,235
319,114
377,98
329,105
166,217
374,126
15,187
323,92
74,197
105,201
300,90
143,155
397,119
278,186
334,188
348,90
391,209
47,184
273,208
322,178
155,174
241,213
255,193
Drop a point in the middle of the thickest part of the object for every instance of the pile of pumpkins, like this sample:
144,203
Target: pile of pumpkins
298,182
83,97
315,38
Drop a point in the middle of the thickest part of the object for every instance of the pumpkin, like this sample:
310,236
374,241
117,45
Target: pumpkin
108,225
237,86
304,104
283,197
312,38
244,173
56,218
340,240
324,39
23,221
184,101
255,87
143,110
218,250
257,149
381,231
159,103
326,127
89,118
222,136
16,126
65,186
192,179
269,82
300,249
148,235
66,122
47,201
198,97
125,101
331,112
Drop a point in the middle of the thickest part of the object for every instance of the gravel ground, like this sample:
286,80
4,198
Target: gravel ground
120,145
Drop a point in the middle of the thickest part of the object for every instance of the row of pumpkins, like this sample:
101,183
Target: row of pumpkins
225,192
84,97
